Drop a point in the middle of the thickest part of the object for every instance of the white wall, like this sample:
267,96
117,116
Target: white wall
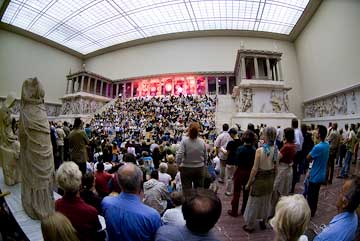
195,54
328,49
21,57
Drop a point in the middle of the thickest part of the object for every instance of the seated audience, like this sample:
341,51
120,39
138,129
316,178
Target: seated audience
88,193
82,216
57,227
343,226
292,217
127,218
201,210
163,176
174,216
102,179
156,194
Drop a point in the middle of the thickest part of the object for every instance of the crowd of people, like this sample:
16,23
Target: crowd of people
153,166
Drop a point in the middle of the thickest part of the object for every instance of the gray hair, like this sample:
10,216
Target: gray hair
163,167
292,217
68,177
130,177
270,134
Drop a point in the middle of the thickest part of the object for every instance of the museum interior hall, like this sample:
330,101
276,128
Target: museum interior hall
172,120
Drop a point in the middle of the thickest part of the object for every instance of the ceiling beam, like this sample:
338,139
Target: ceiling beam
3,5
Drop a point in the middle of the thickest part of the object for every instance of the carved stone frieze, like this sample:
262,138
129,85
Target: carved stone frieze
80,105
52,109
341,103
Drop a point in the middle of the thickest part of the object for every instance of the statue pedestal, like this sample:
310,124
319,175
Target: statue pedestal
262,102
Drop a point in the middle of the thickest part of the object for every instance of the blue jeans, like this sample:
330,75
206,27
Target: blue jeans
346,168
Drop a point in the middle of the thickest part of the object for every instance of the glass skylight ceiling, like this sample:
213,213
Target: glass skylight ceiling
89,25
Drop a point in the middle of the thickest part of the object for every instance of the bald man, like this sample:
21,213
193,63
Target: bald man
127,218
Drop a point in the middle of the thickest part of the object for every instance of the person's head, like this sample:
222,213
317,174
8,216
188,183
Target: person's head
194,130
68,178
292,217
77,123
289,135
65,123
100,167
233,133
269,135
88,181
322,132
303,128
170,158
330,124
248,137
349,198
130,178
201,210
154,175
87,125
57,227
163,167
294,123
334,126
225,127
346,127
177,198
251,127
129,157
145,153
352,127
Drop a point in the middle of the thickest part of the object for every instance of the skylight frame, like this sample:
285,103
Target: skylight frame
89,25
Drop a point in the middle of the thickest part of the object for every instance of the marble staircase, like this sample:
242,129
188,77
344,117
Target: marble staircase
225,110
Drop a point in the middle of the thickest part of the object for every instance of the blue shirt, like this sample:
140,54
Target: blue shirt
127,218
320,154
341,228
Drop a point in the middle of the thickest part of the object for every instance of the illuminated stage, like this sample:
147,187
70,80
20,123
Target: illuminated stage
169,85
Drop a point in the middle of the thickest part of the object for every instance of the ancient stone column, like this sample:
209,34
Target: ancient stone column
206,85
82,83
227,85
217,85
256,66
101,87
67,87
269,74
95,86
243,69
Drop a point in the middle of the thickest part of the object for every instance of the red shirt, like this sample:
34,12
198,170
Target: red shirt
102,183
288,152
82,216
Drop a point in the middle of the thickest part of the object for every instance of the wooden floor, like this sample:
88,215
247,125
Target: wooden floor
230,228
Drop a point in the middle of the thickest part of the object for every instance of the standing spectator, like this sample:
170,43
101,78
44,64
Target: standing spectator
319,154
342,150
261,181
60,142
57,227
126,217
343,226
279,137
298,160
156,156
82,216
334,141
307,146
231,148
87,192
283,178
66,141
220,149
350,144
292,217
191,157
245,156
201,210
172,167
77,145
102,179
88,130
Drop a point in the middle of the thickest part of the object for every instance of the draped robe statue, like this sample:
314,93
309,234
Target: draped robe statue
36,156
9,145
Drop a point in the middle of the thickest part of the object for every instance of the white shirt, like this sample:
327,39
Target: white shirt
221,141
164,178
174,216
279,134
216,161
299,139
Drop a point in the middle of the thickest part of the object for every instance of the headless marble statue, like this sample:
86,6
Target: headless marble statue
36,157
9,145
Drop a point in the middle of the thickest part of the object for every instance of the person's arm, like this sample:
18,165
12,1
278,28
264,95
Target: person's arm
180,153
254,169
217,145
